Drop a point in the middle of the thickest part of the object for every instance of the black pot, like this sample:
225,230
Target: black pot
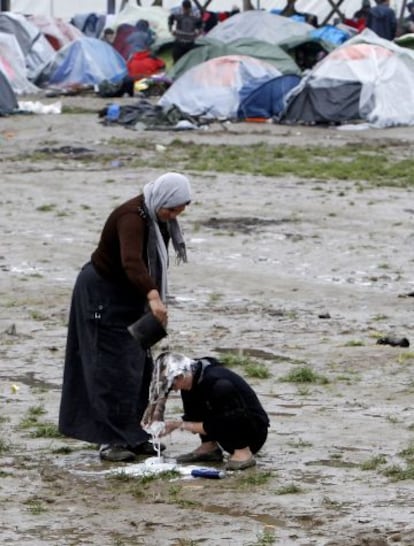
147,330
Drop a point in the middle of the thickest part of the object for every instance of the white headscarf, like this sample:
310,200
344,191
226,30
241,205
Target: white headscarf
168,191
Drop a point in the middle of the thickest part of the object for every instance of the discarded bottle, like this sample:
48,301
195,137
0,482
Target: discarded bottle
207,473
393,341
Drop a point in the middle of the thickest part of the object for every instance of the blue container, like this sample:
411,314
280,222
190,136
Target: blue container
210,473
113,111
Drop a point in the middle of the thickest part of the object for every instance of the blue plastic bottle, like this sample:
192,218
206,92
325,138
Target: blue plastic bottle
207,473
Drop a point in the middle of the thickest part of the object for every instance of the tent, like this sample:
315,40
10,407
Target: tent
367,78
8,101
208,48
57,32
271,28
36,49
268,99
157,18
213,89
86,61
296,38
12,64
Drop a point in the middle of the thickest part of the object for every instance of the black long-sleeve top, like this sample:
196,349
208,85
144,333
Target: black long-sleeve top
218,393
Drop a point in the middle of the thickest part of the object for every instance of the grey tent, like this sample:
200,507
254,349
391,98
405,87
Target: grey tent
8,100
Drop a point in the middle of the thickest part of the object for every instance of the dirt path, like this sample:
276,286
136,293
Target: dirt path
294,274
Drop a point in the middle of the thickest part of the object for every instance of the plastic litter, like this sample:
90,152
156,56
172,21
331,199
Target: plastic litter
156,465
39,108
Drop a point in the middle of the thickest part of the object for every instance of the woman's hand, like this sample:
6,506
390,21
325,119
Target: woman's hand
170,426
158,309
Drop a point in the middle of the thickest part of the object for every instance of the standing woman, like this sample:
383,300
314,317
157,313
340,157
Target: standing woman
107,373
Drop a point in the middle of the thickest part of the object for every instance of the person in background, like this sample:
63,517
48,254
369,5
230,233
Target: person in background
141,39
108,36
219,405
185,26
289,10
382,20
408,23
107,372
363,11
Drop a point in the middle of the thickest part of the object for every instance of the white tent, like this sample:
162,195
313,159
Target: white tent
371,77
216,86
272,29
12,64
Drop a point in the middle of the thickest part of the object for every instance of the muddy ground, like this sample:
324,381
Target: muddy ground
294,274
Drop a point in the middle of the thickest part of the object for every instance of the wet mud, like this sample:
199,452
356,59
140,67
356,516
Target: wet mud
298,279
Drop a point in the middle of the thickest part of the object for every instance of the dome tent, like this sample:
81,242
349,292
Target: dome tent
86,61
216,86
367,78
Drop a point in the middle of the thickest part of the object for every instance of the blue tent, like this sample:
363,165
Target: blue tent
267,100
86,61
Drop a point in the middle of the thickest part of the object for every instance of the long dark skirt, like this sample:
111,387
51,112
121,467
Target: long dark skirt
107,373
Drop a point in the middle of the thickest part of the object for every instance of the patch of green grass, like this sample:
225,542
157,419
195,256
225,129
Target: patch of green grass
251,368
31,417
46,208
214,297
289,489
35,506
398,473
300,443
4,446
406,356
145,479
304,375
174,494
374,462
266,538
371,163
257,370
36,315
408,453
254,479
46,429
354,343
39,429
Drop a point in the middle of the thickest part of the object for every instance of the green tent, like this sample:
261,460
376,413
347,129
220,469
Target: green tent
208,48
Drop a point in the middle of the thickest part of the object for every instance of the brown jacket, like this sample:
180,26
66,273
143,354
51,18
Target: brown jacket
121,254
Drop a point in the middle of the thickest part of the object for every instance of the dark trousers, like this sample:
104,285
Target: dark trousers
235,428
180,48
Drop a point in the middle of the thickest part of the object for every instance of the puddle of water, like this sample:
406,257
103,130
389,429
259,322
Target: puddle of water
87,463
